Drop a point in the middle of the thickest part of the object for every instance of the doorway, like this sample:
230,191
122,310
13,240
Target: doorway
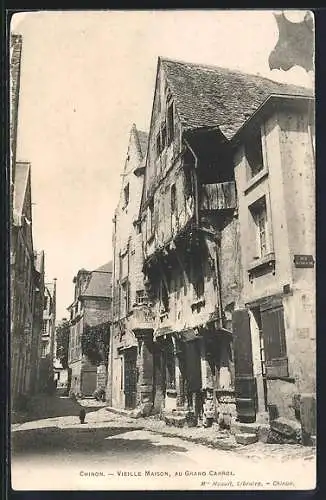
130,378
257,316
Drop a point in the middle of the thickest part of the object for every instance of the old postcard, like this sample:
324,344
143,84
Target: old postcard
162,176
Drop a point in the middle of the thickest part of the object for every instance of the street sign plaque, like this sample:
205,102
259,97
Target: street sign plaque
304,261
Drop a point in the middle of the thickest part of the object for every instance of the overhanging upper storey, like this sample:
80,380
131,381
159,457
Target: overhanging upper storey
189,175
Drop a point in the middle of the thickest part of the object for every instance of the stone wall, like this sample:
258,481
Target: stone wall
97,311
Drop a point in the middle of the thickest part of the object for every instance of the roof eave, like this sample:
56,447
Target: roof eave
270,104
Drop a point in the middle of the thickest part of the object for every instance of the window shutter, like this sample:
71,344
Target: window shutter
274,340
245,382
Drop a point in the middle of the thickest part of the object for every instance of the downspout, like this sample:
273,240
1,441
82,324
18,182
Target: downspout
195,181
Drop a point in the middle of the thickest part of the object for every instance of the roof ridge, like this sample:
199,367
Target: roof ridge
228,70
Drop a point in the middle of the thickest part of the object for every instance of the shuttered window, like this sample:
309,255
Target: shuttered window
272,317
245,382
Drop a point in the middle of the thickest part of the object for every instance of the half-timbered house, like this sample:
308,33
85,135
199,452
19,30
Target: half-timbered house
190,228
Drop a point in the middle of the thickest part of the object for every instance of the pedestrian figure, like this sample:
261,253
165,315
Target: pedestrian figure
82,415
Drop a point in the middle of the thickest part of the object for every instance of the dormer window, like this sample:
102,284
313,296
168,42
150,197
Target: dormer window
126,195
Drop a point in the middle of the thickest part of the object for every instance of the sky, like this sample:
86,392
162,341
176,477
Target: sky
86,77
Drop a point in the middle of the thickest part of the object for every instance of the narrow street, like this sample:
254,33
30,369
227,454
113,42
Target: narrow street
111,451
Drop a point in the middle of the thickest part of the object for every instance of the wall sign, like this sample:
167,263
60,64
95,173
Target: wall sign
303,261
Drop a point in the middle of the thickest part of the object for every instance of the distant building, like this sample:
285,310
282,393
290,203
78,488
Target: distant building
130,380
92,306
48,335
26,265
39,289
22,283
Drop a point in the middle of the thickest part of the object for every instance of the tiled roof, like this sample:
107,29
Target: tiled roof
208,96
106,268
100,282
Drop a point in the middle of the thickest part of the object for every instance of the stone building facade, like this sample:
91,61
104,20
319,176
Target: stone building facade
92,306
26,287
275,178
39,293
48,335
130,380
26,265
16,45
190,227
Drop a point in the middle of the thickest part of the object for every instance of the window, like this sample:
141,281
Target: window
44,327
274,343
173,198
170,123
43,353
126,195
164,298
141,297
163,136
254,154
151,218
124,299
259,215
161,139
46,302
158,144
124,264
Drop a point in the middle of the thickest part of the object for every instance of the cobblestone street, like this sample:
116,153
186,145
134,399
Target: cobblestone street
112,451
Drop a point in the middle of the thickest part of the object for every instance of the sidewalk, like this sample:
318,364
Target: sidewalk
215,438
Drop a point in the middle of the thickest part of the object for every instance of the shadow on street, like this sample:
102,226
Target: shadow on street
50,440
42,407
